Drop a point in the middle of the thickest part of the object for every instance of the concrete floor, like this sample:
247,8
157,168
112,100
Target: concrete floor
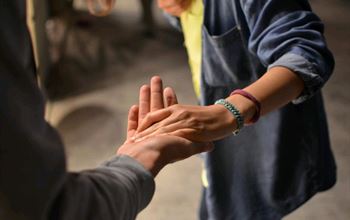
97,77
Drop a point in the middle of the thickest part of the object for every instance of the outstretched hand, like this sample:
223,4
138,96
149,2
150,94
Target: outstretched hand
151,99
156,152
159,113
195,123
159,150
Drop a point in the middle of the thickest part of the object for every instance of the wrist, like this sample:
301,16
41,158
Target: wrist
245,106
149,159
226,121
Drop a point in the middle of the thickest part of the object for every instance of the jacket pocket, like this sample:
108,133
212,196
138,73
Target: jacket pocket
224,60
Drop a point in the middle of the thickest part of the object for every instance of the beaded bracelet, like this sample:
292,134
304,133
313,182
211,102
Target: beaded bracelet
235,112
257,104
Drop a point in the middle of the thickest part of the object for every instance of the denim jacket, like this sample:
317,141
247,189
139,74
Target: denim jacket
275,165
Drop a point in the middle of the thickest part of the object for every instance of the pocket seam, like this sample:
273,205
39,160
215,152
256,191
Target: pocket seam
221,39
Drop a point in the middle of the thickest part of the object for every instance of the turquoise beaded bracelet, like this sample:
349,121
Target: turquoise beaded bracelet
234,111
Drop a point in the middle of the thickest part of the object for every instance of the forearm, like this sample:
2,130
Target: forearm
117,190
288,35
207,123
274,89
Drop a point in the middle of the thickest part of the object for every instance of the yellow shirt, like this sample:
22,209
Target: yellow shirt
191,22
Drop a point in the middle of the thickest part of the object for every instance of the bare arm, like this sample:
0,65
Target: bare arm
274,89
292,46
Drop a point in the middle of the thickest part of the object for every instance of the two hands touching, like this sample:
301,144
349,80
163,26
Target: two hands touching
160,131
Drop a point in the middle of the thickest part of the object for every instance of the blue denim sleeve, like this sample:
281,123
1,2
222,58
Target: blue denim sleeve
287,33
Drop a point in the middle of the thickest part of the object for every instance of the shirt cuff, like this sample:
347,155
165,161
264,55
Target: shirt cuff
143,179
305,70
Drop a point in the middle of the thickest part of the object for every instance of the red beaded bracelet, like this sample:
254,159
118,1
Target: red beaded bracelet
249,96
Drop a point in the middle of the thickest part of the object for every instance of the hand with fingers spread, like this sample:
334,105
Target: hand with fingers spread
174,7
159,150
196,123
151,98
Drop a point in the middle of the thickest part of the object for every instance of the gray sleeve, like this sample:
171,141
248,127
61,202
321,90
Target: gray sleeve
34,183
119,189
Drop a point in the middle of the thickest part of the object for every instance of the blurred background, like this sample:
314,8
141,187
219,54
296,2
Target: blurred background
91,69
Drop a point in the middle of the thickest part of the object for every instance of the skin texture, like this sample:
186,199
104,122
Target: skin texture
274,89
159,150
174,7
151,99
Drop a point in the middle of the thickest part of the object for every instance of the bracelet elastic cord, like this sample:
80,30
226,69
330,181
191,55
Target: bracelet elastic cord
235,112
257,104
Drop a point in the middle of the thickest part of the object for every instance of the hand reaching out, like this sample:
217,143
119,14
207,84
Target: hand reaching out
159,150
156,152
195,123
151,98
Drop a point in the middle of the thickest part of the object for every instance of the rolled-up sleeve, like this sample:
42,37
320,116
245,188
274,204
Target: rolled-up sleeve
287,33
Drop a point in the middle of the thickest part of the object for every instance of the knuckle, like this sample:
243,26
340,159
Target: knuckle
183,113
147,117
143,116
196,124
152,116
175,107
181,134
192,132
